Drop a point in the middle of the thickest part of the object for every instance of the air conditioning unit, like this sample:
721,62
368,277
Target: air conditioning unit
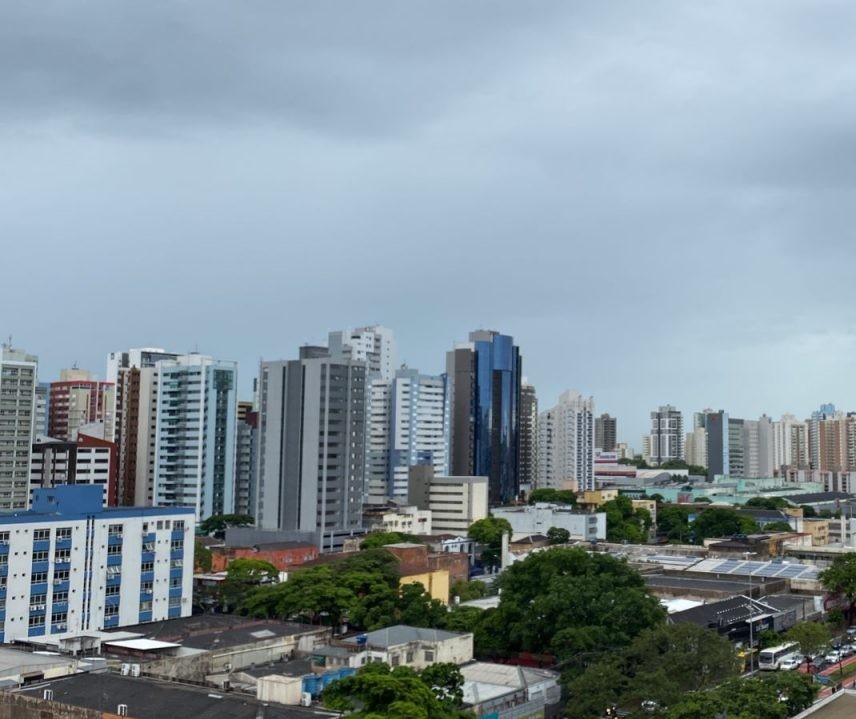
126,668
48,695
135,670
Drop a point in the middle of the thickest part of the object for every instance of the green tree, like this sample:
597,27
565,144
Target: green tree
552,496
673,521
768,502
377,691
242,576
840,578
657,497
202,558
217,523
661,665
417,608
381,539
721,522
489,531
624,523
808,511
812,637
558,535
565,600
768,638
468,590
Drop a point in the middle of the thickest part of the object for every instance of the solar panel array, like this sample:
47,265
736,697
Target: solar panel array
760,569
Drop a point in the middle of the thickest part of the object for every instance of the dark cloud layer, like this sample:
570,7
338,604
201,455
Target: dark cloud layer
654,198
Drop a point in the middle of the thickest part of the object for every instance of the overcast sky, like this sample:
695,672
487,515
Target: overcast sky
656,199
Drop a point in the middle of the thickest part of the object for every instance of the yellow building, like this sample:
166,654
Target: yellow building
436,583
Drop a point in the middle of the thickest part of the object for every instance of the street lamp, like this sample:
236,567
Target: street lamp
746,556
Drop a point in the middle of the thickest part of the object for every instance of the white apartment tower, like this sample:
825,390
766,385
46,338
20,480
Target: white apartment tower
566,443
195,438
790,443
666,439
374,345
407,426
18,377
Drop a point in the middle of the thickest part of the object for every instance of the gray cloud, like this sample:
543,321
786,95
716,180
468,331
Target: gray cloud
653,198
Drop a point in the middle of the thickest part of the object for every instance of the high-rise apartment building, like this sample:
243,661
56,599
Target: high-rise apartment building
374,345
566,443
695,447
311,470
135,376
736,455
826,412
18,378
194,461
407,426
69,567
790,443
40,427
758,449
666,439
528,435
484,377
77,399
246,458
605,433
716,425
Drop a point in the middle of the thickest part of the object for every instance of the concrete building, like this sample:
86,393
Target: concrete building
666,439
194,463
717,427
18,377
484,377
605,433
528,436
69,567
454,502
407,520
407,426
78,399
790,443
246,458
758,448
374,345
540,517
695,447
135,375
500,691
566,443
415,647
312,419
88,460
43,395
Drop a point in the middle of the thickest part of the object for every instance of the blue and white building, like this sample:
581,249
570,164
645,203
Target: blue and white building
69,566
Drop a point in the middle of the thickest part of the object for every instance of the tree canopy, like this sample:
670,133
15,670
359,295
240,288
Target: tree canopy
217,523
558,535
381,539
552,496
566,601
377,692
812,637
202,558
840,578
721,522
624,523
489,531
660,665
767,503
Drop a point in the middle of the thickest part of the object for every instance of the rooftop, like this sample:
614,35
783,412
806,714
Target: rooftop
841,705
817,497
403,634
12,660
724,613
214,631
148,699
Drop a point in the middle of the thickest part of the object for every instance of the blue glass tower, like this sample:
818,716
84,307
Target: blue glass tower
484,377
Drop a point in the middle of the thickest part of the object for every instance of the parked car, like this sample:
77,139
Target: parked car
790,664
848,650
833,656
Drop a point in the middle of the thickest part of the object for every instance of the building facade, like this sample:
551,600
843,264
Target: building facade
790,443
246,458
484,377
541,517
18,378
716,425
666,439
196,415
454,502
312,418
87,460
528,435
407,425
566,443
374,345
605,433
77,400
69,567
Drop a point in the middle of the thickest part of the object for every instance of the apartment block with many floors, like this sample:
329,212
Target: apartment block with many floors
18,377
69,567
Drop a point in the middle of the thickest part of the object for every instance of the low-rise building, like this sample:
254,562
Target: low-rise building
540,517
416,563
501,691
454,502
283,555
407,520
69,566
414,647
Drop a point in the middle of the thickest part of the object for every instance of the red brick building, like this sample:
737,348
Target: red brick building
283,555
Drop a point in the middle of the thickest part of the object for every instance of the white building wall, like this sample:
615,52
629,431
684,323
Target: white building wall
566,443
540,517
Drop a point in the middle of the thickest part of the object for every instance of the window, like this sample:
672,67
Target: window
178,525
114,530
176,546
38,600
60,597
175,583
111,611
63,533
57,617
37,620
147,567
4,537
62,555
41,534
114,549
112,591
176,564
145,606
40,556
39,577
174,602
61,576
429,655
146,587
